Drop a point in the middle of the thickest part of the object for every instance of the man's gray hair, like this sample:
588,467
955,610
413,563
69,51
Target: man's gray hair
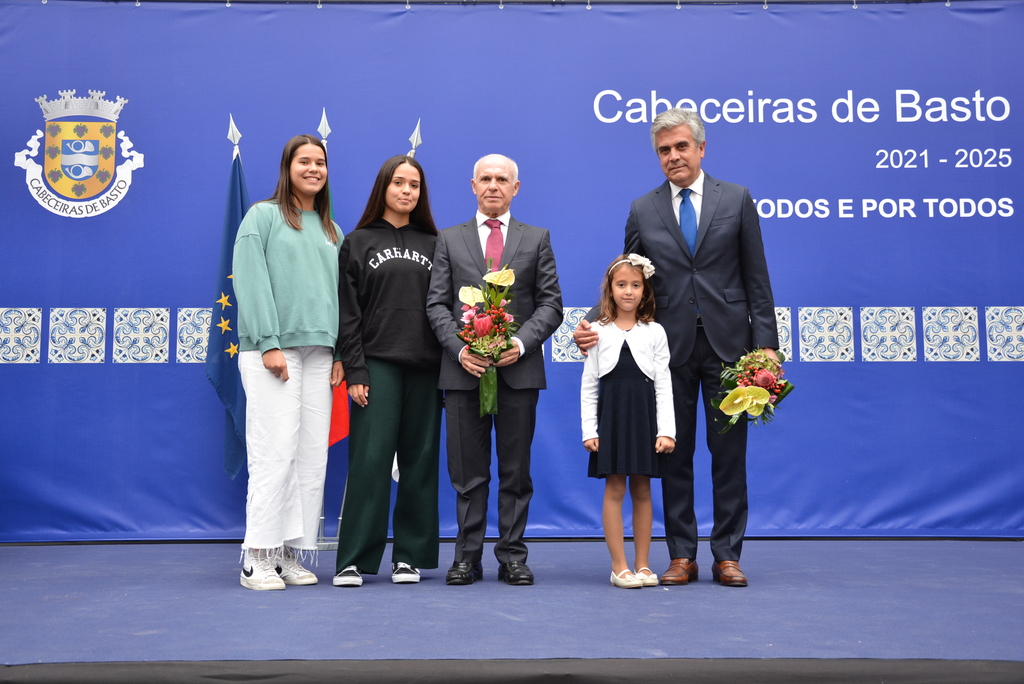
677,117
511,164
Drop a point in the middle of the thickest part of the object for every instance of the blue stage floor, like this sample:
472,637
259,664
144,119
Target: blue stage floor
925,599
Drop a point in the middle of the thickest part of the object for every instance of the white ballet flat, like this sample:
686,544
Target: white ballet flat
626,580
649,579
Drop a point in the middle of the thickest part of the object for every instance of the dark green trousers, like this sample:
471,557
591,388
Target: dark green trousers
403,415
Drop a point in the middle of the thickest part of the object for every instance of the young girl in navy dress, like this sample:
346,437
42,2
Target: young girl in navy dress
626,402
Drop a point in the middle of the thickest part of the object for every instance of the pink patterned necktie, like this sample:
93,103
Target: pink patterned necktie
495,245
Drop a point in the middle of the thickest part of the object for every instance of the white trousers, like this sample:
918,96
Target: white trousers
287,425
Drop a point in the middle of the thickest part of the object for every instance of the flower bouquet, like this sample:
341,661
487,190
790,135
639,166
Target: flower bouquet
754,387
488,328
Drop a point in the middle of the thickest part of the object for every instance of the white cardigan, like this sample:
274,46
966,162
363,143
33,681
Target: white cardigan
649,346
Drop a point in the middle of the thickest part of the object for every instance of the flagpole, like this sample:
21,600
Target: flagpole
415,139
339,407
234,136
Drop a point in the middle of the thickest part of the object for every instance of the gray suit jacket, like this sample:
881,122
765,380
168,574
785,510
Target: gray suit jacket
728,278
536,298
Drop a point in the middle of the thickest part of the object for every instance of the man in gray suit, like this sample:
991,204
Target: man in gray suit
537,306
714,299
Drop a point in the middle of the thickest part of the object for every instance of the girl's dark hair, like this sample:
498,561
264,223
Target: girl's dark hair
284,194
609,312
420,217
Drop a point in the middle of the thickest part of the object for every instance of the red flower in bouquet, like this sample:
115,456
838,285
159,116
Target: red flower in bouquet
482,325
764,378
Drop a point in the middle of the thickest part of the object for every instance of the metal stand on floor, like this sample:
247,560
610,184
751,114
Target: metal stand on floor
324,543
331,543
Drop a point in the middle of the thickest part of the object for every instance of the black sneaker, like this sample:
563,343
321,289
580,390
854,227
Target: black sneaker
403,573
349,577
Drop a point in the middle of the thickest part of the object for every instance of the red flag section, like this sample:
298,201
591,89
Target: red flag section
339,415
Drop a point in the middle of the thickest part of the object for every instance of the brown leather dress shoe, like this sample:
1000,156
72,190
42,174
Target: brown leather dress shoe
680,571
729,574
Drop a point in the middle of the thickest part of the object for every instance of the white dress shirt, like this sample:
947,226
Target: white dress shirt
484,231
696,196
649,346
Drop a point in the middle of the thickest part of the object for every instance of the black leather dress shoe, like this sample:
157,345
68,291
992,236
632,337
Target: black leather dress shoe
464,573
515,572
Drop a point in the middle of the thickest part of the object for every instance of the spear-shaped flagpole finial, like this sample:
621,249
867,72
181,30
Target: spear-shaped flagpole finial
324,129
415,139
233,135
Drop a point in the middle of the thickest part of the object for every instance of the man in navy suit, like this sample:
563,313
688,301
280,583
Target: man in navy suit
536,304
714,299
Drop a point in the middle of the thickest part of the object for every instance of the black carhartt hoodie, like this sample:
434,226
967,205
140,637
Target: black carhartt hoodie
384,273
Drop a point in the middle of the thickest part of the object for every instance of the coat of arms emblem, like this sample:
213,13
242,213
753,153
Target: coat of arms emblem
79,176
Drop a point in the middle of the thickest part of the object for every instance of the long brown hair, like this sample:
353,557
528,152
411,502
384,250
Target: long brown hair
420,217
609,312
285,197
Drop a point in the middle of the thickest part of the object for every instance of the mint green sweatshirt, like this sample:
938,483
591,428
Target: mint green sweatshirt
286,281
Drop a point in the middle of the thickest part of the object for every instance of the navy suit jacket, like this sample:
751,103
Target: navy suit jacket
727,280
536,298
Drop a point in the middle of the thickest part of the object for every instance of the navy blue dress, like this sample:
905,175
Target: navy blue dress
627,423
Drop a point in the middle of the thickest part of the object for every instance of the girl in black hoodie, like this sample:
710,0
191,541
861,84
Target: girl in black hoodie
385,343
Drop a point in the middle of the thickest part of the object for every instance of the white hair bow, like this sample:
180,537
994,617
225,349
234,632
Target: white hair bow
641,262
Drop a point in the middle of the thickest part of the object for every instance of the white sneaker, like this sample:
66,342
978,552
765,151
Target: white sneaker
403,573
258,571
349,577
291,571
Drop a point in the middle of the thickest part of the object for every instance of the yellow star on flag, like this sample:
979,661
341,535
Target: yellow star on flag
224,301
224,325
232,349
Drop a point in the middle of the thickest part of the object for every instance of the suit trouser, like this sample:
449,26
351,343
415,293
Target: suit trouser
286,430
403,416
701,373
469,466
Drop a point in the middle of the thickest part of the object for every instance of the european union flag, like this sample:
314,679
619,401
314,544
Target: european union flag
222,346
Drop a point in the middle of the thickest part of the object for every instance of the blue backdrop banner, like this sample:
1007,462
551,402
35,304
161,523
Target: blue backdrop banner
882,145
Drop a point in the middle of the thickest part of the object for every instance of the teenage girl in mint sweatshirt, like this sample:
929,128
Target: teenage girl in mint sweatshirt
286,281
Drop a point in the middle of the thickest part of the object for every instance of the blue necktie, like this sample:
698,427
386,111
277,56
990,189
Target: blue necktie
688,221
